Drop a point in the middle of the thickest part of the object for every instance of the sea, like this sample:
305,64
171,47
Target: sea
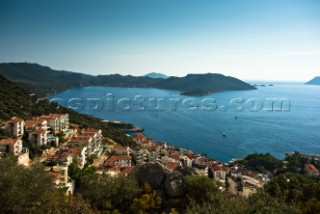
277,118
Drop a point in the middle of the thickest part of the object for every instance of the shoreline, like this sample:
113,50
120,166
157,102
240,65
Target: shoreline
135,129
123,126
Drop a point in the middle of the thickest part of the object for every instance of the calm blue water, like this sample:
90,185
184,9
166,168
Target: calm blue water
295,127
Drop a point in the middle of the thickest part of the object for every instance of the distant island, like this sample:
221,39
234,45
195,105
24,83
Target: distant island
314,81
44,80
156,75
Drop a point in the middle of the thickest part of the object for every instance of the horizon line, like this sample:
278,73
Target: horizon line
87,73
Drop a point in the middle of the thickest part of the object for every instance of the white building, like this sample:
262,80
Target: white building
57,122
36,123
38,136
14,146
15,127
11,145
95,134
80,154
118,160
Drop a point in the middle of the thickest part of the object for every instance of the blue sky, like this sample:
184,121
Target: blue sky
248,39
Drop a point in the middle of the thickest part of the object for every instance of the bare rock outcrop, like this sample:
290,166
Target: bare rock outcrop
153,173
174,185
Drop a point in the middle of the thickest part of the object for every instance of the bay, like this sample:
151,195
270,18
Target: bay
219,125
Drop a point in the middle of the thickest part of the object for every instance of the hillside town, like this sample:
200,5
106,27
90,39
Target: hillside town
63,144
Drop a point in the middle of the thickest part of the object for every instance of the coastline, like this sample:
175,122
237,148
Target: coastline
123,126
136,129
214,144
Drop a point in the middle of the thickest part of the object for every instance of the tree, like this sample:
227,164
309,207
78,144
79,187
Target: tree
55,201
310,207
260,162
74,172
259,202
21,188
200,188
148,202
217,203
31,190
294,187
295,163
108,193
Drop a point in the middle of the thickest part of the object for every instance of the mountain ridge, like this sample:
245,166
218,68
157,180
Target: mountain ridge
156,75
43,80
314,81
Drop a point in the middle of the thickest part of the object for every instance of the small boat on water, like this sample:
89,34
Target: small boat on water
224,134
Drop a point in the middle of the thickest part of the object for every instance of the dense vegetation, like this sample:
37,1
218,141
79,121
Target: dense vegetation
266,163
43,80
16,101
121,125
260,162
30,190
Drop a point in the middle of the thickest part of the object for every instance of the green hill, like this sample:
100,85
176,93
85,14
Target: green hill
40,79
16,101
44,80
203,84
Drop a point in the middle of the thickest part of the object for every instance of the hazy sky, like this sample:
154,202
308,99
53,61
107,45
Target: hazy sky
247,39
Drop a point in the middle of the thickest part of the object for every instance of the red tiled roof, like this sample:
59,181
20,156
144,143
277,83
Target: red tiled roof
120,148
145,142
211,163
9,140
172,165
118,157
136,149
53,116
40,131
34,122
175,156
139,136
80,139
171,149
76,150
63,155
216,167
113,158
16,120
191,156
311,168
152,148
